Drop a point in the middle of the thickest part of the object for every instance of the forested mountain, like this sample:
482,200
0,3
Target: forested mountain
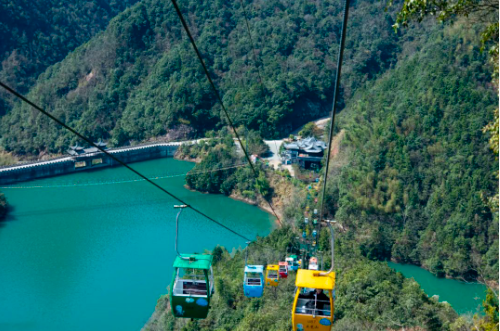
416,164
410,178
37,34
140,77
417,161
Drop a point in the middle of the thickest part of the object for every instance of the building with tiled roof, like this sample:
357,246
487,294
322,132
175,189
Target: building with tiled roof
307,152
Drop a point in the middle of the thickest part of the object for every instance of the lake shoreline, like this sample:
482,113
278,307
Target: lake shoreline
452,291
490,282
236,197
233,195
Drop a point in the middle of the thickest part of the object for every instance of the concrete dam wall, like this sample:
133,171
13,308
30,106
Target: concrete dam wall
84,162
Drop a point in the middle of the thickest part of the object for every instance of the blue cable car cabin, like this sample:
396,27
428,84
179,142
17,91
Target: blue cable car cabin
292,262
253,285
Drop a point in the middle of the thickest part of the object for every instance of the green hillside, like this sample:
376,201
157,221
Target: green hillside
37,35
412,170
418,164
370,296
140,78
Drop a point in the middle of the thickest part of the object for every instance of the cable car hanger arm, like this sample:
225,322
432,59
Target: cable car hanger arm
181,208
332,245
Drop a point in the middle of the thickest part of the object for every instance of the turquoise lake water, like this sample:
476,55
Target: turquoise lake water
81,252
464,297
97,257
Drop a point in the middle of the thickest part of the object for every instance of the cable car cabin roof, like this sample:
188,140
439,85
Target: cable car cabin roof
254,268
196,261
272,267
312,279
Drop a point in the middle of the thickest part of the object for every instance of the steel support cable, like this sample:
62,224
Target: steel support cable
245,15
90,142
217,95
334,105
120,181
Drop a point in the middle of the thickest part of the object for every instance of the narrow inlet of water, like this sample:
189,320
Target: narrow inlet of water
465,298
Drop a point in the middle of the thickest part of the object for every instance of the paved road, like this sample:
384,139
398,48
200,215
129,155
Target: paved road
320,123
274,155
274,145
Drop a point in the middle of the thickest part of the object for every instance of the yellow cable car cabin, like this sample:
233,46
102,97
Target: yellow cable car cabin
313,310
272,275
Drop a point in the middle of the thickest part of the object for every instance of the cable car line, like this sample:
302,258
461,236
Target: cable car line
314,308
90,142
334,104
218,97
121,181
245,15
190,294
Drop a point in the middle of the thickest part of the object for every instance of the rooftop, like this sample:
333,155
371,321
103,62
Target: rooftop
76,147
308,145
91,150
312,279
79,150
254,268
272,267
196,261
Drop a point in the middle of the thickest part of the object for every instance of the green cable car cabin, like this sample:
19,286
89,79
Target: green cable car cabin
192,286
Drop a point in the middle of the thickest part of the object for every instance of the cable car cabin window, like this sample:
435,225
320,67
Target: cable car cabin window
253,279
283,268
272,274
190,282
310,303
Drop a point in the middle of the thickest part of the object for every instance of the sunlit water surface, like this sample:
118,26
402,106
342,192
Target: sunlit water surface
465,298
97,257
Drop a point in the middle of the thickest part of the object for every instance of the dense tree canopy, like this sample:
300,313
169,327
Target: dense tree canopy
370,295
37,35
419,163
140,78
410,175
224,169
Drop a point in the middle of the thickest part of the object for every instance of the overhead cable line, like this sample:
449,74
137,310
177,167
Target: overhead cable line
219,99
90,142
335,98
121,181
245,15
